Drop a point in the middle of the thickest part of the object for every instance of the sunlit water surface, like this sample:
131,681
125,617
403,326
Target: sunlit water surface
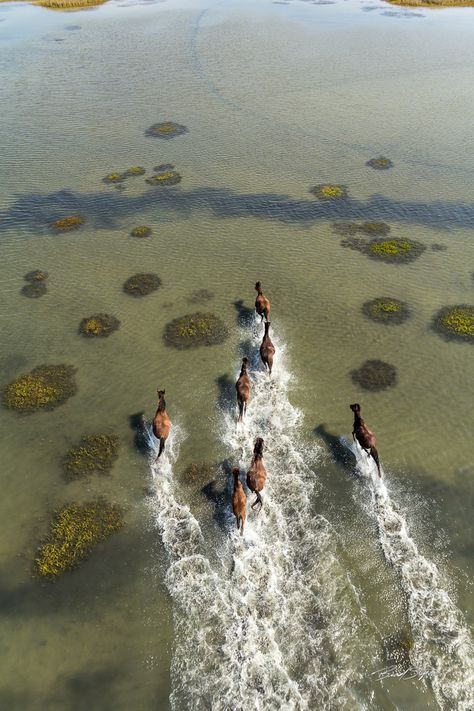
277,97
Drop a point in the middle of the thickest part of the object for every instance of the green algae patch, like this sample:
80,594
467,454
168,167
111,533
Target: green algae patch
168,177
455,323
98,325
380,163
386,310
69,223
37,275
142,284
94,454
395,250
135,170
193,330
113,178
141,231
74,532
34,291
166,130
43,388
329,191
375,375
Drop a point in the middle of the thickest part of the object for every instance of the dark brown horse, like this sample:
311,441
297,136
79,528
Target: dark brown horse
364,435
243,387
262,304
257,474
267,349
239,500
161,422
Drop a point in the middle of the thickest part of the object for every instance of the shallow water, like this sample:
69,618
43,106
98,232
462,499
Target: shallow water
277,97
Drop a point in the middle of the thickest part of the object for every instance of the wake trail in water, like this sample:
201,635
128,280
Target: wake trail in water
443,651
271,621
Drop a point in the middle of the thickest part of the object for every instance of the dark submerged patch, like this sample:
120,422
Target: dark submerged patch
375,375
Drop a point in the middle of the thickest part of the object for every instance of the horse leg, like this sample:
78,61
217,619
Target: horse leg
258,500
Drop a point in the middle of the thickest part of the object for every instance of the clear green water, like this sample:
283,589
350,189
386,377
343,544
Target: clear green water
277,98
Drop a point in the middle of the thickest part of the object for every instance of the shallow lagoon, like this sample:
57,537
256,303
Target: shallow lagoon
277,98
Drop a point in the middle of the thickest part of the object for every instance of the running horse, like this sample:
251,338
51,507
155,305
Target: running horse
267,349
262,304
161,422
257,474
239,500
364,436
243,387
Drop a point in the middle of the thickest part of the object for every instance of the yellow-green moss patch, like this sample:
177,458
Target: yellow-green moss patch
166,130
142,284
43,388
112,178
329,191
395,250
94,453
380,163
69,223
34,291
455,322
141,231
386,310
375,375
74,532
135,170
68,4
168,177
35,276
98,325
193,330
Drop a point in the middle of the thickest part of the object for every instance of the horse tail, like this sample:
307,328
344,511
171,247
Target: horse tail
241,408
162,446
375,457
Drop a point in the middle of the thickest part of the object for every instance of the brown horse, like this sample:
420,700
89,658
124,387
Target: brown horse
267,349
243,387
161,422
257,474
239,500
262,304
364,436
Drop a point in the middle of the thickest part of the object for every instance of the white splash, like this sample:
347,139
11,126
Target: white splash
443,651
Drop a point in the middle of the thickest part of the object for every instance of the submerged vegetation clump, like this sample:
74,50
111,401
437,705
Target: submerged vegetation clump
141,231
163,166
142,284
193,330
395,250
375,375
74,532
68,4
112,178
34,290
35,276
371,229
168,177
94,453
135,170
69,223
43,388
201,296
98,325
380,163
455,322
166,129
386,310
329,191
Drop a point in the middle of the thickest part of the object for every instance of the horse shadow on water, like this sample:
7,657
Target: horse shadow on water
245,315
339,452
218,492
